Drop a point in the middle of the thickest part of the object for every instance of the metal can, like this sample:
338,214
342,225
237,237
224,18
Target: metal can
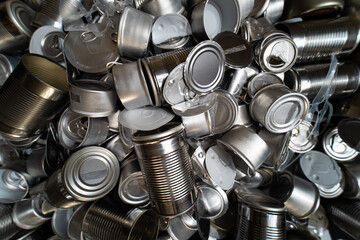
159,8
33,95
8,227
153,157
309,79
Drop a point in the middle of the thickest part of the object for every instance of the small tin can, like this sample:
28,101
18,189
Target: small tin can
119,148
226,112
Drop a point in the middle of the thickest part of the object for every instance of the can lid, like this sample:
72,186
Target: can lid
301,141
175,90
205,67
349,131
336,148
226,112
21,15
220,167
238,52
260,81
90,53
145,118
133,190
90,173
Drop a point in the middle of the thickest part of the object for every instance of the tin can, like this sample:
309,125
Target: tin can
182,227
159,8
6,68
274,11
309,79
153,157
32,96
254,29
74,226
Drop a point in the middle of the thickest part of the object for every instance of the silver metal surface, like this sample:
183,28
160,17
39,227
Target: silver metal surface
324,172
212,17
260,81
60,221
301,197
309,79
74,226
131,85
254,29
212,202
274,11
302,139
134,33
226,112
154,156
259,8
13,186
237,82
159,8
336,148
27,215
35,164
92,98
120,149
319,40
352,180
205,67
8,227
278,108
310,9
132,187
182,227
107,219
6,68
15,28
249,149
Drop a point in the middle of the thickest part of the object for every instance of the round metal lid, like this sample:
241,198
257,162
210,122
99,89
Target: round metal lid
259,200
205,67
21,15
220,167
260,81
89,53
349,131
175,90
133,190
167,130
323,171
336,148
277,53
90,173
300,140
226,112
5,69
48,41
145,118
238,52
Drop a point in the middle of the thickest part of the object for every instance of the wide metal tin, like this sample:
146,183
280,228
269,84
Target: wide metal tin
205,67
278,108
90,173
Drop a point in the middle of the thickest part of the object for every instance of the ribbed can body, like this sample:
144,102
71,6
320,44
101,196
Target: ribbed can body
106,220
165,164
318,40
7,225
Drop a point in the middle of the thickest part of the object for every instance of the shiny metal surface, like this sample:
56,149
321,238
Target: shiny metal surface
308,9
274,11
161,151
74,226
92,98
318,40
204,67
131,85
27,215
106,220
159,8
249,149
260,81
182,227
6,68
309,79
33,94
238,80
119,148
134,33
226,112
302,140
13,185
35,164
254,29
259,8
352,180
15,28
212,202
301,197
8,227
59,222
278,108
212,17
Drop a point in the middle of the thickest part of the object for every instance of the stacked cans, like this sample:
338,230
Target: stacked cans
169,119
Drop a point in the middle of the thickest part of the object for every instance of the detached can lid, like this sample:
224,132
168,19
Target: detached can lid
205,67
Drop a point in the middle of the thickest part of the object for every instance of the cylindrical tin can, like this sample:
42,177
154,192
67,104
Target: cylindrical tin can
319,40
74,226
259,216
278,108
312,8
249,149
32,96
212,17
352,180
254,29
336,148
7,226
92,98
15,28
134,33
301,197
89,174
309,79
158,67
27,213
159,8
119,148
165,164
108,219
346,214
